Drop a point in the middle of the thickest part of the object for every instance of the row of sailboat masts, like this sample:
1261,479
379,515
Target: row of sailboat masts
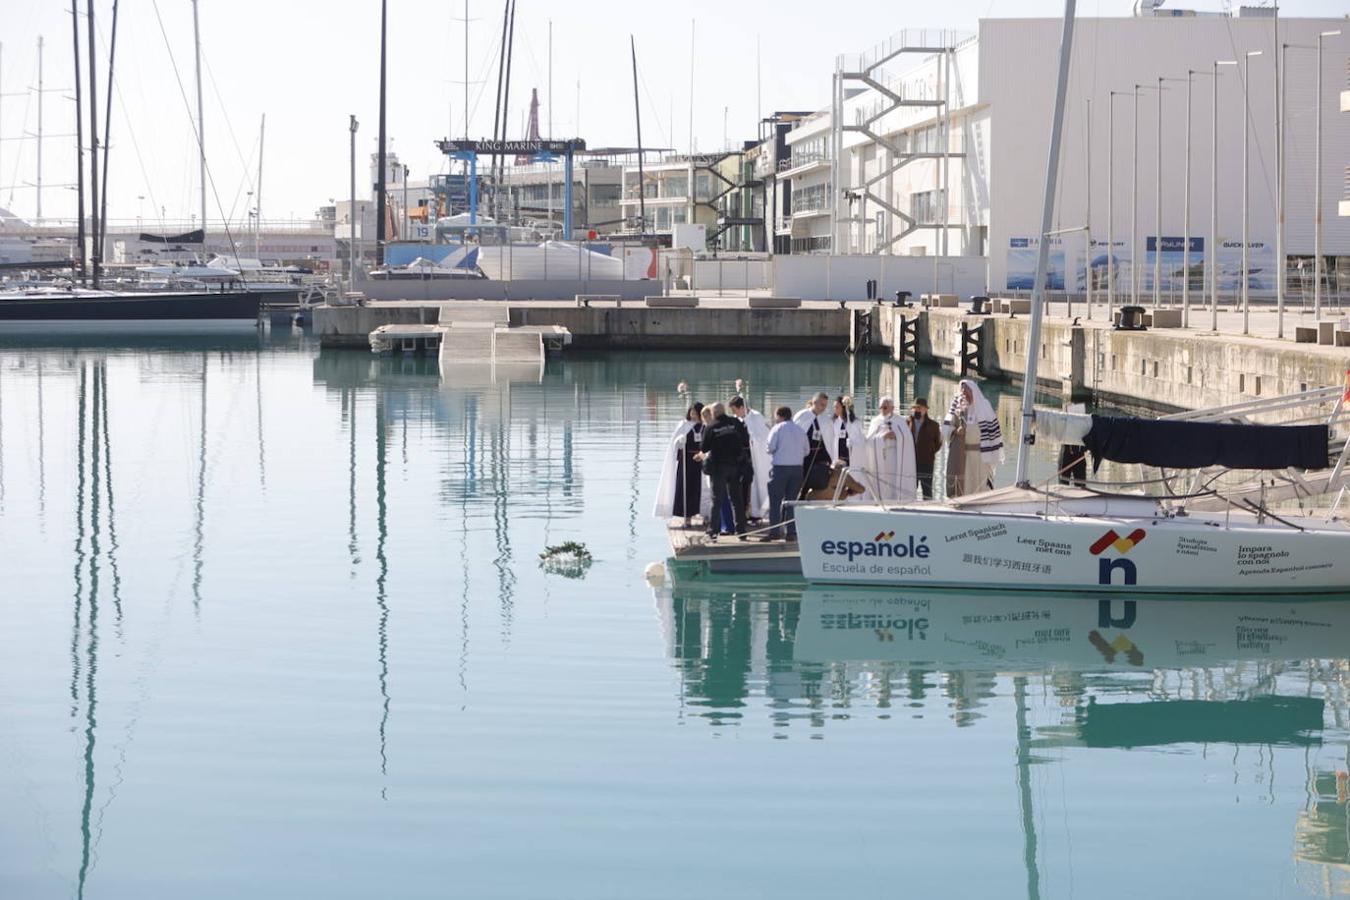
1280,119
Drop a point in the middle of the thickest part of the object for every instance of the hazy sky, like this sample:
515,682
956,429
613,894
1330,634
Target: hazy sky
308,64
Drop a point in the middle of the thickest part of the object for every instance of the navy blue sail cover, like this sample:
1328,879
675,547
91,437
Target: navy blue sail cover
1194,445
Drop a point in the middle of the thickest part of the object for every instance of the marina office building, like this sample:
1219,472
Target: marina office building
935,142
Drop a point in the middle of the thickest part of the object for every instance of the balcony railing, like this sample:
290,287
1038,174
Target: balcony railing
797,160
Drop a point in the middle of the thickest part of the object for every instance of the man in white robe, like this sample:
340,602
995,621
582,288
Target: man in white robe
818,424
757,505
892,471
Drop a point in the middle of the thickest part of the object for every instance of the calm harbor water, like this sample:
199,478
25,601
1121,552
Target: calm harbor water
273,625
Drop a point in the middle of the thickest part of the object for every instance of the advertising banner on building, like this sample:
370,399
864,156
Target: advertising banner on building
1102,269
1171,265
1021,268
1260,265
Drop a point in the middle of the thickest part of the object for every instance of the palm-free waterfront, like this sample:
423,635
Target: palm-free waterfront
273,625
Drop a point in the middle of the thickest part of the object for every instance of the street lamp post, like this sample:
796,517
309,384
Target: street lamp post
1134,205
1087,222
1157,207
1158,236
351,249
1280,264
1214,201
1134,200
1246,192
407,218
1186,215
1317,189
1110,206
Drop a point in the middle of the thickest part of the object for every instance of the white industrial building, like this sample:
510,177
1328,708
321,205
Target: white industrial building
936,142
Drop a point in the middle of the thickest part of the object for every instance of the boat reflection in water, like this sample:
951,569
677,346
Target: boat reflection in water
1082,673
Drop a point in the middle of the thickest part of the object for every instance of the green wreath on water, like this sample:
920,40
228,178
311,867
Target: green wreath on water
570,559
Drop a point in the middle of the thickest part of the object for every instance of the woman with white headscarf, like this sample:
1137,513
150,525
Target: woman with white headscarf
974,440
848,432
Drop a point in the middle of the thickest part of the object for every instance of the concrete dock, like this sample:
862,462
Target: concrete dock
730,323
1166,368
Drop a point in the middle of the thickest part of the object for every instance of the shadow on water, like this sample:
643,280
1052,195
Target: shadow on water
1122,674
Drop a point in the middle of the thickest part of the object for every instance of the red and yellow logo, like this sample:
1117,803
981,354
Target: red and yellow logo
1121,644
883,536
1121,544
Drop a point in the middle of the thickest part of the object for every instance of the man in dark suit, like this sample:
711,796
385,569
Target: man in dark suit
726,454
927,442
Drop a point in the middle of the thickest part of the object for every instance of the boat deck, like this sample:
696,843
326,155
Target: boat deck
694,556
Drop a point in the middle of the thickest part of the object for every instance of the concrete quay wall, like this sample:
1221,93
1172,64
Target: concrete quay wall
619,327
1163,369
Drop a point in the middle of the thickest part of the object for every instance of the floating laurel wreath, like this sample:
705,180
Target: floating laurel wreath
570,560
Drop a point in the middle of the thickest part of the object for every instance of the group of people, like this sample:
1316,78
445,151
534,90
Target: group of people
727,465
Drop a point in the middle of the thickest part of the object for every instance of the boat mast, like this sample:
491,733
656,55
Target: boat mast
39,132
380,186
94,253
257,196
101,238
497,110
506,112
79,146
201,135
637,116
1043,254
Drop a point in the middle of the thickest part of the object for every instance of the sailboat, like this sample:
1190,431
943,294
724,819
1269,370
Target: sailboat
1055,537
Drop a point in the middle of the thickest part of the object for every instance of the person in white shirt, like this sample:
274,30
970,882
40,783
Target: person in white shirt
788,448
893,475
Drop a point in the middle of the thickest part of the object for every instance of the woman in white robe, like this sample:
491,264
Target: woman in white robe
681,490
893,475
974,441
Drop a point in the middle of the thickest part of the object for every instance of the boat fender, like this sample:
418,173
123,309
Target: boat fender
655,573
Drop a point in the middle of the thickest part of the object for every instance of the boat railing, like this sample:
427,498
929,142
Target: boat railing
1309,398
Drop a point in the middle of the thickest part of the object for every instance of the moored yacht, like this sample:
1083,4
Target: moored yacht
1053,537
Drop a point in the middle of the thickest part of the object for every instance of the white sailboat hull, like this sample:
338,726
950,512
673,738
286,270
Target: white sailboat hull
927,545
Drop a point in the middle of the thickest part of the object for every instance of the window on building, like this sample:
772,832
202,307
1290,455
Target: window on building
675,186
926,207
703,189
925,140
604,193
810,150
812,198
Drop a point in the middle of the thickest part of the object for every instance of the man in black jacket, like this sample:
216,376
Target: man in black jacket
726,449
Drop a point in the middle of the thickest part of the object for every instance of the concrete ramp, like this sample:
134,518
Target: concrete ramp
467,343
466,313
518,346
